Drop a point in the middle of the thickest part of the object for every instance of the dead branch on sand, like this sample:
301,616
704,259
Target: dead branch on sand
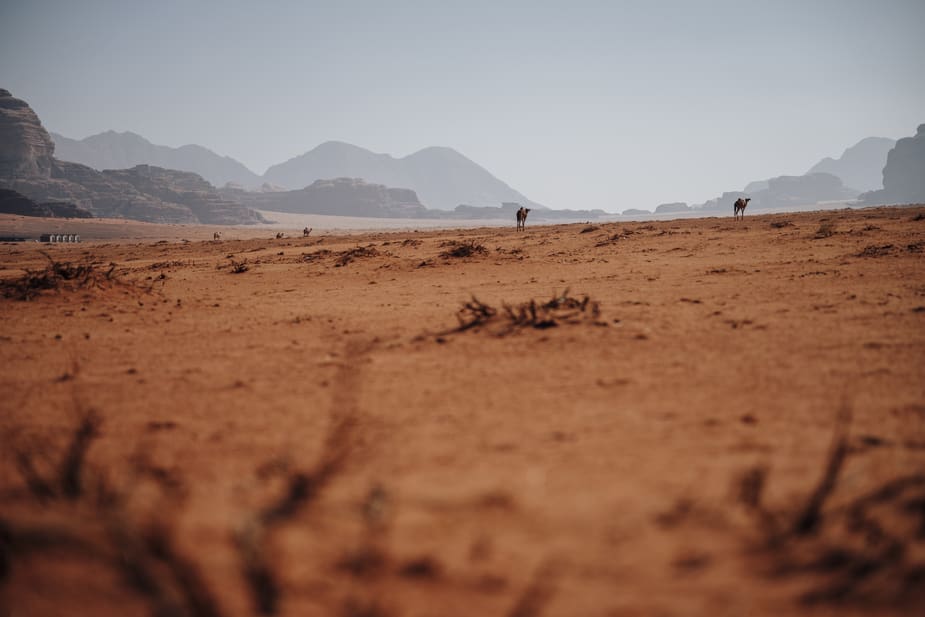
58,276
560,309
868,549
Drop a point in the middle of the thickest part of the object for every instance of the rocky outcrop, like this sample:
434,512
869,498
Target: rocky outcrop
112,150
28,166
904,173
12,202
787,192
26,150
187,189
676,206
339,197
860,167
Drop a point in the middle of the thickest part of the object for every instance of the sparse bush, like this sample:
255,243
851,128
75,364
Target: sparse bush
870,548
826,230
561,309
57,275
463,249
350,255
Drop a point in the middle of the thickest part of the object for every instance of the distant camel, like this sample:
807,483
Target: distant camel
522,217
217,235
280,235
740,207
306,232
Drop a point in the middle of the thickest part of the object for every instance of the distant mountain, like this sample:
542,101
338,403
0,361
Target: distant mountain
111,150
29,167
441,177
904,173
791,192
860,166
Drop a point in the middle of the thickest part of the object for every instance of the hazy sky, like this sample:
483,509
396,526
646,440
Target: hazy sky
576,104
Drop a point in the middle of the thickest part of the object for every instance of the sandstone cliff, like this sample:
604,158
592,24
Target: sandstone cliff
28,165
26,149
904,174
12,202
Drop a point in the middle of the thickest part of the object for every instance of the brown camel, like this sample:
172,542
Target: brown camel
522,217
740,207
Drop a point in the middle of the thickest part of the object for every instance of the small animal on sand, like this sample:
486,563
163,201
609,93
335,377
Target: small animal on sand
306,232
280,235
740,207
217,235
522,217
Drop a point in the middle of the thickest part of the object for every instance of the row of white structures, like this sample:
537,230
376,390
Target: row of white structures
59,238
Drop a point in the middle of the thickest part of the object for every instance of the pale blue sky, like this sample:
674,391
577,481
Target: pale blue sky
611,105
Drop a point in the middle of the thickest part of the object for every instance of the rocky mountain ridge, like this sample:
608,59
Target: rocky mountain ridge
442,177
860,167
28,166
112,150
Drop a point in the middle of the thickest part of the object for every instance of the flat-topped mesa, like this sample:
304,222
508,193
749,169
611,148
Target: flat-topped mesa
28,150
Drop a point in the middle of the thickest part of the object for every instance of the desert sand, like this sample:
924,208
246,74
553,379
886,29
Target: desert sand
697,417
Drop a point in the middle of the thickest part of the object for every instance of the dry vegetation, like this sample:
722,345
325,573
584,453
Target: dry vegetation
291,444
58,276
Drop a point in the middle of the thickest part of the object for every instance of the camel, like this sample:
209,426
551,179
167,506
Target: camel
280,235
740,207
306,232
217,235
522,217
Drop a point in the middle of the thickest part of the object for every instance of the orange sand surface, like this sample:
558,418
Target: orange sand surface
699,417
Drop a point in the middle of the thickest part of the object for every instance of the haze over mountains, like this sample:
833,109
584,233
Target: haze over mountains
111,150
860,167
29,167
442,177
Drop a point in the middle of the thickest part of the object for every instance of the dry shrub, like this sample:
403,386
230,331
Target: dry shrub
611,239
868,549
826,230
468,248
100,528
560,309
876,250
781,224
345,257
239,267
316,255
589,229
58,276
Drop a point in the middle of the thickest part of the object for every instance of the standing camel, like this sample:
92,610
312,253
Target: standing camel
740,207
217,235
306,232
522,217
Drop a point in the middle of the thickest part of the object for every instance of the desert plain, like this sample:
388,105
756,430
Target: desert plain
698,417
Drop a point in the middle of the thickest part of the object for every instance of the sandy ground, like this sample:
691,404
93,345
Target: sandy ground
739,429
